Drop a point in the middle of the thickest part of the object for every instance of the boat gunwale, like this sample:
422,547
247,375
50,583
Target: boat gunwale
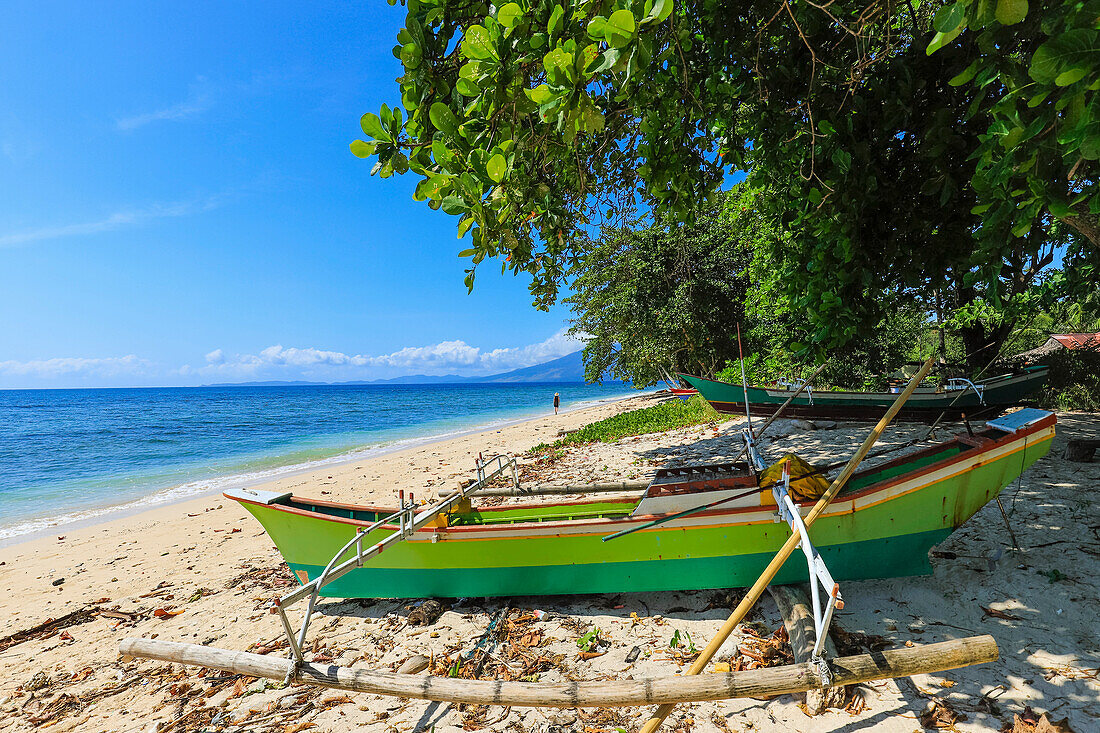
984,445
922,394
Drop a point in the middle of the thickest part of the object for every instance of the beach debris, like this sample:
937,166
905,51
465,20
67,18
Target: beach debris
166,612
62,705
939,716
40,681
849,643
761,650
426,614
58,582
1031,722
632,655
414,664
272,578
994,613
48,628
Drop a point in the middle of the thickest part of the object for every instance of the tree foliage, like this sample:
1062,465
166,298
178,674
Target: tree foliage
664,298
890,169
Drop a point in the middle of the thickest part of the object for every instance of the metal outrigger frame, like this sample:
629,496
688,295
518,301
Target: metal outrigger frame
820,577
408,521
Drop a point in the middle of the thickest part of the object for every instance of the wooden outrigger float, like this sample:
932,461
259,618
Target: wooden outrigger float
792,678
415,535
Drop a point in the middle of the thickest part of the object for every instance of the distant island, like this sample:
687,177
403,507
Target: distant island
568,369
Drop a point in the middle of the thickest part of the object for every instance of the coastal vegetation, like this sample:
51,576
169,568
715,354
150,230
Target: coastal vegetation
659,418
919,177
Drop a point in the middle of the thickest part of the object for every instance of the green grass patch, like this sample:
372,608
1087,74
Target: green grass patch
656,419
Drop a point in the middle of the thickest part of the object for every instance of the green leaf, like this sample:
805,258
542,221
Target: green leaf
1069,77
463,227
942,39
509,15
362,149
540,94
399,162
842,160
1059,209
443,119
949,17
553,26
411,55
1011,12
597,27
477,44
620,28
659,12
1073,49
454,205
372,125
965,75
606,60
468,252
467,88
497,167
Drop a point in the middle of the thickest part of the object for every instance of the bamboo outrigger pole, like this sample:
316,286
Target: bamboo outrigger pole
789,679
790,546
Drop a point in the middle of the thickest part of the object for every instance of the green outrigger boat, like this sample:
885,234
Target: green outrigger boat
881,525
957,397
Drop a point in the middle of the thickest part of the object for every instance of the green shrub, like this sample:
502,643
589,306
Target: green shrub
1074,380
667,415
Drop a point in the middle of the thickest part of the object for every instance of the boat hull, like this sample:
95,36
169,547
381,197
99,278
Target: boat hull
884,527
924,406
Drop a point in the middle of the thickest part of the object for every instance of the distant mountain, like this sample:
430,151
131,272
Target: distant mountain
568,368
565,369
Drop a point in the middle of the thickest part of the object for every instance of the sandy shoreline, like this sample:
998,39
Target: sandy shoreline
208,559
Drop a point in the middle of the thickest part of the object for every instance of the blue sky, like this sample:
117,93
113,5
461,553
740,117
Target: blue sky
180,207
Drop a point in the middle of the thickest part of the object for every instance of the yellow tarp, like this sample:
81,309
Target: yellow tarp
805,484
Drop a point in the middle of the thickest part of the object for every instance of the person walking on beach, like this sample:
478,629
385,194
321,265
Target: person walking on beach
557,402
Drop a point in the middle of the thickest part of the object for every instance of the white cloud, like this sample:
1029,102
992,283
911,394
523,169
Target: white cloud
284,363
445,357
111,222
197,102
68,367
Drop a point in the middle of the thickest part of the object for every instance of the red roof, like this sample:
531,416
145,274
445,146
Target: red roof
1077,340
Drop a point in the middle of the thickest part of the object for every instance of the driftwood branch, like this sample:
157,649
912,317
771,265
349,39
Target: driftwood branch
788,679
794,607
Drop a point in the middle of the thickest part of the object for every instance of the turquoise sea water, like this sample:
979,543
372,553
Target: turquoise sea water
73,455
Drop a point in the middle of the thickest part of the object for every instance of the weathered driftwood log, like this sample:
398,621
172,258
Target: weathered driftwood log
1081,451
553,490
788,679
794,606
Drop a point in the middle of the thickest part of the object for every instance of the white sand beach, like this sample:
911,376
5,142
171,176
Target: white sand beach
203,571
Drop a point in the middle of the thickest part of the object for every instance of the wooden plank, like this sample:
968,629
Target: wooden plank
555,490
794,607
789,679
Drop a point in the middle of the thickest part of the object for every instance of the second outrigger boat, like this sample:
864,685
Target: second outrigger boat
953,399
